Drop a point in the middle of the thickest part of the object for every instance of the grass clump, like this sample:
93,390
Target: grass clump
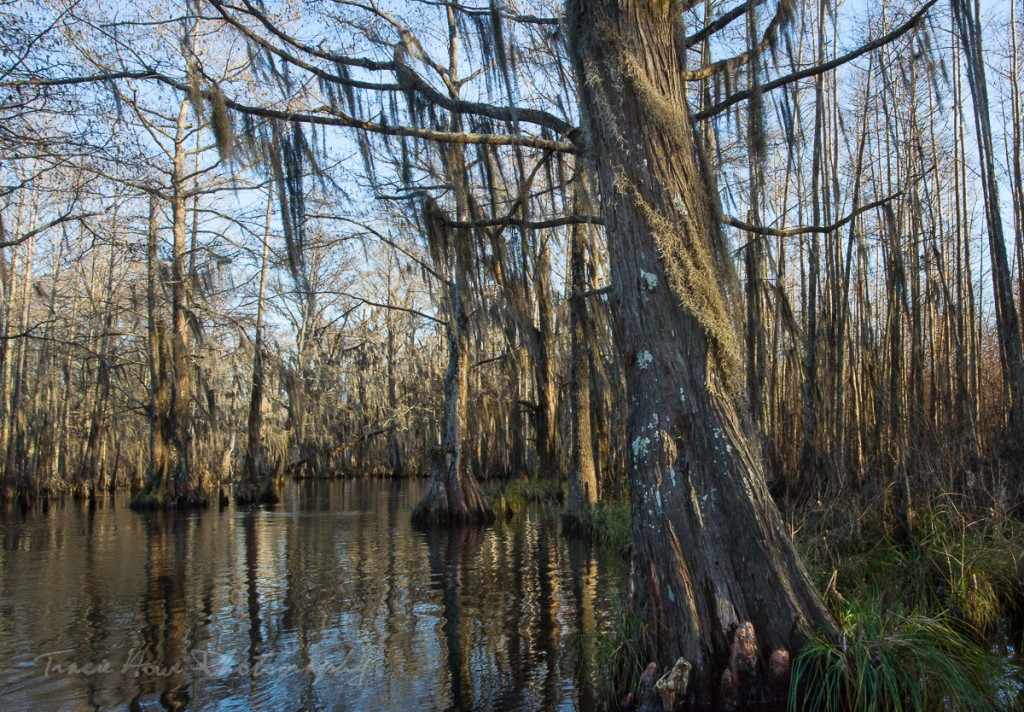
607,524
889,660
618,658
920,618
971,572
509,498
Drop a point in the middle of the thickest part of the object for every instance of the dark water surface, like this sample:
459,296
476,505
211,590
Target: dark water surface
328,601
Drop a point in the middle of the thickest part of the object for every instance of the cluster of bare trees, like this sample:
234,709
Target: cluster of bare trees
692,252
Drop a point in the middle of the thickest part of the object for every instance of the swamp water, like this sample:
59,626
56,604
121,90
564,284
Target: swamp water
330,600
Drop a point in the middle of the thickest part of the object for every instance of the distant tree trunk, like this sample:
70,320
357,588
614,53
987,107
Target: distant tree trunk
966,411
582,477
187,481
809,456
712,562
1017,148
16,451
90,470
548,456
756,342
258,481
394,446
1007,322
6,355
453,495
155,493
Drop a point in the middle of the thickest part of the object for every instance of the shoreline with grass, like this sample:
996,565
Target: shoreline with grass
934,622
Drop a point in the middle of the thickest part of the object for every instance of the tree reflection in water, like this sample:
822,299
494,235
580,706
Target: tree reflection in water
330,600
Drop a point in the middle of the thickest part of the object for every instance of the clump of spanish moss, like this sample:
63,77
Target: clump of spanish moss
223,130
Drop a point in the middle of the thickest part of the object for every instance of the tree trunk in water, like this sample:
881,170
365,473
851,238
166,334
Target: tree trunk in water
16,454
7,284
187,483
154,494
90,470
712,562
258,482
453,495
394,446
173,480
582,476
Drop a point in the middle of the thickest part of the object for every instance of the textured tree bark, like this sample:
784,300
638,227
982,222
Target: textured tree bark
710,551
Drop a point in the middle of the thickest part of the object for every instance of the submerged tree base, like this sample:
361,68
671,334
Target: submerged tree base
151,500
248,493
82,491
27,495
426,516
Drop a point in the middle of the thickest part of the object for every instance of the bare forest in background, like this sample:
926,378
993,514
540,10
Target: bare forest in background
773,247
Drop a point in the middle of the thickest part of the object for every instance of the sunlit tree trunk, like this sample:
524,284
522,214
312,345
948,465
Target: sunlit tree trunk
258,482
154,493
453,495
187,481
582,476
968,24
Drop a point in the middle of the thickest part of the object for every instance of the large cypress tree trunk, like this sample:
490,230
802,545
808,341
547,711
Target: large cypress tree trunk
712,561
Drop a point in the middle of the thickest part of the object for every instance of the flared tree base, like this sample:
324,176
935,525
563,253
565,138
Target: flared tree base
249,493
83,491
152,500
427,515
